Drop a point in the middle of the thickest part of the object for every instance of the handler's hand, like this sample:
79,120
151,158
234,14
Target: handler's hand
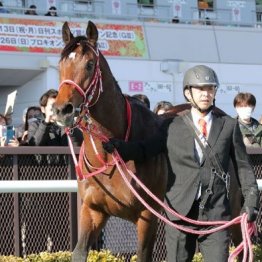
109,146
121,146
251,213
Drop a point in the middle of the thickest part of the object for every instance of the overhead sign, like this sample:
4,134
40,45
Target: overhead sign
150,86
239,4
41,36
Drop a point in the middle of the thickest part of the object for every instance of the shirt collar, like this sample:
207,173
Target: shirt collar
196,117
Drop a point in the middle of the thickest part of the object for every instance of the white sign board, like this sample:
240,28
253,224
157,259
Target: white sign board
9,107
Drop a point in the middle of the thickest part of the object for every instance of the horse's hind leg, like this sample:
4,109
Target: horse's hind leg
91,223
146,230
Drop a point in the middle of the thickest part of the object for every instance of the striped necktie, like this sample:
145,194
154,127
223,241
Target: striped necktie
203,126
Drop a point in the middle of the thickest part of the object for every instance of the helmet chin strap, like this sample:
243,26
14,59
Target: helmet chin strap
194,104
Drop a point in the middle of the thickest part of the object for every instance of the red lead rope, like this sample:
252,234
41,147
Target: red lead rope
247,228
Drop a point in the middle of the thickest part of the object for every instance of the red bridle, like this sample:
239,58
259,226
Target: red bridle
96,82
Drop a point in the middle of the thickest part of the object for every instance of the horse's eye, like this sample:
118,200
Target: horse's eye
90,65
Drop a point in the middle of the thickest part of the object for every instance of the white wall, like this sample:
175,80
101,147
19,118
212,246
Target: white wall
209,44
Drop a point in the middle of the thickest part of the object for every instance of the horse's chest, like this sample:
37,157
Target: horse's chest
106,193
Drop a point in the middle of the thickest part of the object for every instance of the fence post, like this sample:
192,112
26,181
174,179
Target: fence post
72,207
16,209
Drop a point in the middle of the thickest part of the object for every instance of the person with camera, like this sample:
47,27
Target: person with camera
199,144
46,132
31,114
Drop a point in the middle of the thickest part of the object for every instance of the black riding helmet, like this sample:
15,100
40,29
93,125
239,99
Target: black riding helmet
199,76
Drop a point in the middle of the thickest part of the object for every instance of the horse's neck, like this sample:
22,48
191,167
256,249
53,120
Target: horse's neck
110,110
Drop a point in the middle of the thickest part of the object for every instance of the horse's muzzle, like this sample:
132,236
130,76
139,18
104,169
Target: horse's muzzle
64,114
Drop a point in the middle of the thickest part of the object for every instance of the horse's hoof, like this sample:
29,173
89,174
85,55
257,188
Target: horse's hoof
77,257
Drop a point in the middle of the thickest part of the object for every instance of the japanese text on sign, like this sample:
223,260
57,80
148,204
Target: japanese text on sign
117,40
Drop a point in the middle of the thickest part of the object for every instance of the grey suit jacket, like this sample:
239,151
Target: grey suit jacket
226,141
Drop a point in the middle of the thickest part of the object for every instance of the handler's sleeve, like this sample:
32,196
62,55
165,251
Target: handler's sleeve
142,150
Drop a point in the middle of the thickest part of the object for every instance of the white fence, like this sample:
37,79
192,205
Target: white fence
47,186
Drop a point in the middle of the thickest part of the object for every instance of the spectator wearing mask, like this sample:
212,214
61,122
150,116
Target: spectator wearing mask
32,114
251,129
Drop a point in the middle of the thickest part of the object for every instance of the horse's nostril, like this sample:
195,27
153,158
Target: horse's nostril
68,109
55,110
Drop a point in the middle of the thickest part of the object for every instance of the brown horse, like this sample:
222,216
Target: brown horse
88,85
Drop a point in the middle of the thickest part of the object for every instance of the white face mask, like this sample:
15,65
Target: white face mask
31,120
244,113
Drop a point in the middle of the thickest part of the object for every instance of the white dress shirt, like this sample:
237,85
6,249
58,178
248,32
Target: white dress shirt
198,151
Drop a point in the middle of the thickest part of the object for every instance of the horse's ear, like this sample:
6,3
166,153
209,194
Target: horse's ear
66,33
92,33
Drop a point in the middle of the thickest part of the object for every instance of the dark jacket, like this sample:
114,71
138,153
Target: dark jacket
177,139
226,142
252,132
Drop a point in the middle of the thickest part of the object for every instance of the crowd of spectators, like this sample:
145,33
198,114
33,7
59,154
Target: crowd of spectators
40,129
32,10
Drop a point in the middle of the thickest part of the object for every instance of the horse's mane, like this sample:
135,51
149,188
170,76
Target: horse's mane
71,46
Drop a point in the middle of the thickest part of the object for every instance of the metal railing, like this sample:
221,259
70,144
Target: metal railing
31,218
141,12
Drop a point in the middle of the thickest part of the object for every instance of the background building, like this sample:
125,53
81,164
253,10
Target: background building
160,40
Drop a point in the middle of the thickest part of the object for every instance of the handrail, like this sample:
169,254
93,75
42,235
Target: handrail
38,186
25,150
48,186
104,13
30,150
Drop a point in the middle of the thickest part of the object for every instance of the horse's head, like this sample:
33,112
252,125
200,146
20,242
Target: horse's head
80,74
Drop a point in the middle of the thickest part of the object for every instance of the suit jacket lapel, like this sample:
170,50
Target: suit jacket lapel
215,130
190,142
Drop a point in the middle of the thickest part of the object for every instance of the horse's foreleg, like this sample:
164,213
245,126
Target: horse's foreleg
91,224
146,233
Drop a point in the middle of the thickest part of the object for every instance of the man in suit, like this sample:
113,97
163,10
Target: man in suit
199,145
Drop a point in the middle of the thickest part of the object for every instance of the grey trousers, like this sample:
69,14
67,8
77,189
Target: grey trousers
181,246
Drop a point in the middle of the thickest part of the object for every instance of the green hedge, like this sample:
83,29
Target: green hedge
95,256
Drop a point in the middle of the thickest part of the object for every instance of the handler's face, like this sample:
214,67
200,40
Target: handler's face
202,96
